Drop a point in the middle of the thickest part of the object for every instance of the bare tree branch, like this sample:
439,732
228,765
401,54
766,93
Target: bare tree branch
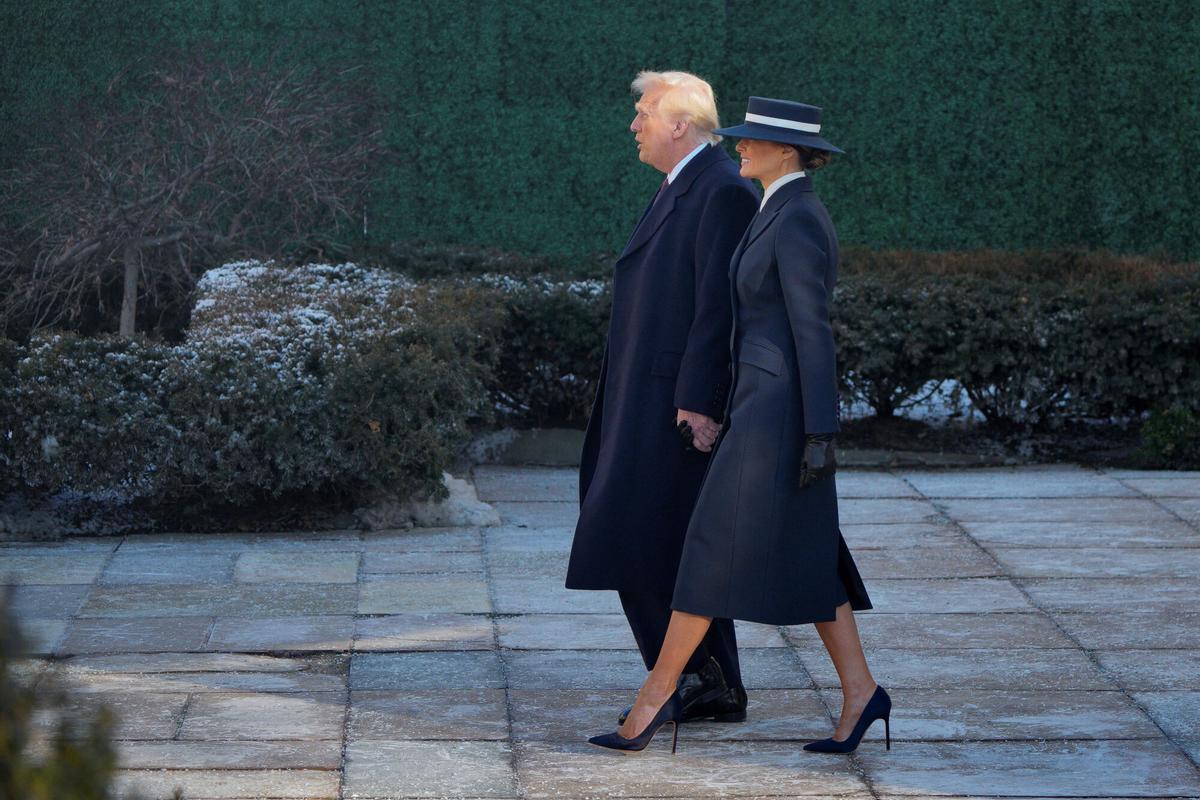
186,163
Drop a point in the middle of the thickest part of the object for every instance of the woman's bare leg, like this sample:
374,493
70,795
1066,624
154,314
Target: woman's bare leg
845,649
684,634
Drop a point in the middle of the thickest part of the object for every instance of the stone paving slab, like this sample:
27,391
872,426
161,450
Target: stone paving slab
927,562
1036,628
1186,509
186,663
1012,631
257,716
1136,510
292,784
41,636
18,568
323,754
98,682
1024,482
1152,669
425,540
1093,533
174,566
242,600
272,567
946,596
1165,487
1022,769
1177,712
700,769
508,539
1096,562
1131,631
423,594
1111,595
30,602
886,510
134,635
374,768
898,535
281,634
873,484
424,632
138,715
452,714
572,715
429,562
978,715
1006,669
527,484
407,671
547,595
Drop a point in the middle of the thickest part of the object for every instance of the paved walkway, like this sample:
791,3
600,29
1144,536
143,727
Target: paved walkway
1037,629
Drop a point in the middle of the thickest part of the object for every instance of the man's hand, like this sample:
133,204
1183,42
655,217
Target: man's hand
819,460
697,430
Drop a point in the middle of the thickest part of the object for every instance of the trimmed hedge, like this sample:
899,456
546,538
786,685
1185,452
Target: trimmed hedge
1031,339
316,379
1019,124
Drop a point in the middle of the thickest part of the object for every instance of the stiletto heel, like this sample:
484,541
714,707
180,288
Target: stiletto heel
671,711
878,707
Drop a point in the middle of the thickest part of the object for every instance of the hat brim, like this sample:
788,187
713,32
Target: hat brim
753,130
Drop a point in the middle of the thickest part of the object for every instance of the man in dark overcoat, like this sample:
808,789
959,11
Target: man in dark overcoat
666,363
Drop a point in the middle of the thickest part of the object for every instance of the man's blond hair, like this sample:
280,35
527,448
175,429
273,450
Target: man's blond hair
687,98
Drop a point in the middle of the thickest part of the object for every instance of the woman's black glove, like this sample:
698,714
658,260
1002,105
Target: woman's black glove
685,433
819,460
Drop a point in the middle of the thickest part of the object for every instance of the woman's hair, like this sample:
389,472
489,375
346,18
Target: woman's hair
687,98
812,159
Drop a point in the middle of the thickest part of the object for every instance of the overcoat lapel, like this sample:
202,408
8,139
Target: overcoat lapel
656,214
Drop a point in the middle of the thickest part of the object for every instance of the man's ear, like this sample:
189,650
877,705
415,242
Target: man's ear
681,127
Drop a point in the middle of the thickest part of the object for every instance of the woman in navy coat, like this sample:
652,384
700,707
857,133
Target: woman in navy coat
763,542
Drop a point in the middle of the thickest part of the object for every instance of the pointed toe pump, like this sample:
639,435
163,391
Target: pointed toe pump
671,711
878,707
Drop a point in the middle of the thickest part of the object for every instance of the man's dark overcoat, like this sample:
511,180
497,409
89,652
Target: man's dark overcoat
668,349
759,548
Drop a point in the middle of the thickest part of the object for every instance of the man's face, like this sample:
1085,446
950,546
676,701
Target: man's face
654,134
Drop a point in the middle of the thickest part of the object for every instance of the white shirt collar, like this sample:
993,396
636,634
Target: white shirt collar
683,162
779,182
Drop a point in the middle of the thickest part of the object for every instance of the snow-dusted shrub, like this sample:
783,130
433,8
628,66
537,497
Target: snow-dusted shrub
310,379
551,346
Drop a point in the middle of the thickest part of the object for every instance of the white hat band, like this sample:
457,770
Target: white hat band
778,122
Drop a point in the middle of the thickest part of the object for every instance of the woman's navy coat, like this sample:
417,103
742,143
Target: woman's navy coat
668,349
758,547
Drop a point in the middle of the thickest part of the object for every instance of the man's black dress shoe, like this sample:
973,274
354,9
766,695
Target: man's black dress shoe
705,695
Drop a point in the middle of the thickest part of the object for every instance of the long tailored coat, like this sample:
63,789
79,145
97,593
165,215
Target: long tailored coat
668,349
759,548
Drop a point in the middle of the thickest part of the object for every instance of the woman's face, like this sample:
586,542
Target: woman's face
764,160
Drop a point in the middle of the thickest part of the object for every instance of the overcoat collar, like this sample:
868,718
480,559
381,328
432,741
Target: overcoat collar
775,203
656,214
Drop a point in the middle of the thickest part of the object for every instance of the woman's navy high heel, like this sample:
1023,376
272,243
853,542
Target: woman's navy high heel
671,711
878,707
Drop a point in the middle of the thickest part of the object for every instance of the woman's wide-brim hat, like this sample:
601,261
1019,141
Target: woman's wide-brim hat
781,121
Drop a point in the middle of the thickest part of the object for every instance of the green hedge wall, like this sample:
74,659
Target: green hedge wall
1005,125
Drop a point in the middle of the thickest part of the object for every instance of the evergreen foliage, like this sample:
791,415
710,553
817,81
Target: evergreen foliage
1012,125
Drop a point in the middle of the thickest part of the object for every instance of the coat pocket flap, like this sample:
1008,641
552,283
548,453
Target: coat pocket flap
666,364
762,356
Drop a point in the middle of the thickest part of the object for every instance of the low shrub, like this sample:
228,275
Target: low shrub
552,345
315,379
1171,438
1031,339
